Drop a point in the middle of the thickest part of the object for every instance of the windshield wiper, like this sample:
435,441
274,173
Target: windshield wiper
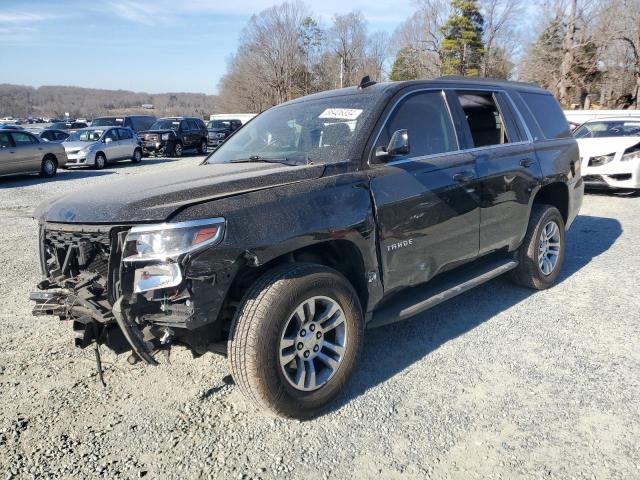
283,160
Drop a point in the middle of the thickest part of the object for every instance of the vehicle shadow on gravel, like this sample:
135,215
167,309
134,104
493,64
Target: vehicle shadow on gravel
404,343
19,181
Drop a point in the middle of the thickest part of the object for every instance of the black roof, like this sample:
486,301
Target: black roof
443,82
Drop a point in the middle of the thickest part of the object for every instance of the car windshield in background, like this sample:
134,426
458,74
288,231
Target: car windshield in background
92,135
219,125
107,122
165,125
319,131
610,128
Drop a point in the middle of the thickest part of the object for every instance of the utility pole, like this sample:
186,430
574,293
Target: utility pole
341,70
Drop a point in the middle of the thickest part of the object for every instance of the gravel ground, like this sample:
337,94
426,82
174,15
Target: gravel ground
500,382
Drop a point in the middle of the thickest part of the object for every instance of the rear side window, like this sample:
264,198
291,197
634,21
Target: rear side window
548,114
21,138
5,140
486,123
124,133
426,118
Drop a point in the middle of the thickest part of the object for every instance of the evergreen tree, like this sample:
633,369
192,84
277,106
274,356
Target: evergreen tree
404,67
462,47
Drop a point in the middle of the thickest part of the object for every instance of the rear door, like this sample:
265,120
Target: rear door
508,170
127,143
426,201
29,152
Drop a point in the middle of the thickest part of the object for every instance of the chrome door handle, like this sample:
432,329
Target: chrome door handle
463,177
526,162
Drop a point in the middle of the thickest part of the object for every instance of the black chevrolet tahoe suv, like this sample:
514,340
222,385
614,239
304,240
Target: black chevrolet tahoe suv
323,216
171,136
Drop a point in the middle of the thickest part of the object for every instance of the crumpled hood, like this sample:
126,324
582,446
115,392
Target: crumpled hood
155,197
592,147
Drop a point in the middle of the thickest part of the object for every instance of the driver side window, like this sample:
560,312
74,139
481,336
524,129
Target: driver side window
426,118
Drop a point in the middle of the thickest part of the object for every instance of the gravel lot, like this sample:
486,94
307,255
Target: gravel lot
498,383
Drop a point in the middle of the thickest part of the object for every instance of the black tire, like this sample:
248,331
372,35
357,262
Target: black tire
49,167
529,272
177,150
256,330
137,156
100,162
202,150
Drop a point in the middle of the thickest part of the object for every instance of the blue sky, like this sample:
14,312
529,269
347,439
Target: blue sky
143,45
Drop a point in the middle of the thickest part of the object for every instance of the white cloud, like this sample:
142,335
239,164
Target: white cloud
19,17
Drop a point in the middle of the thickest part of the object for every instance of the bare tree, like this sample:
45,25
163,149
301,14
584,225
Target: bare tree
501,36
348,36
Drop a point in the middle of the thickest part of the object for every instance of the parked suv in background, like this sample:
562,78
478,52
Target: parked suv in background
322,216
67,125
171,136
97,146
219,130
137,123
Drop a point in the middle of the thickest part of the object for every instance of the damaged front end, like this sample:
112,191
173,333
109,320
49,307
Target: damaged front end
130,288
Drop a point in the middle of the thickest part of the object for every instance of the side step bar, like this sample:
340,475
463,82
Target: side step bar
418,299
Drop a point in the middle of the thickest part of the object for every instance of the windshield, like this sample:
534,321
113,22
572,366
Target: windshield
219,125
107,122
90,135
609,128
165,125
318,131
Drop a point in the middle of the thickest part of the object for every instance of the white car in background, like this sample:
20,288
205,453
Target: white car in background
610,153
97,146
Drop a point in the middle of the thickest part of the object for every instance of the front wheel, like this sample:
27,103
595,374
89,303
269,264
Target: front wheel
203,147
295,339
542,251
177,150
100,162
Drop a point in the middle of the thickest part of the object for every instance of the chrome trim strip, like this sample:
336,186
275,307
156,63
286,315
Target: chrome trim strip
170,226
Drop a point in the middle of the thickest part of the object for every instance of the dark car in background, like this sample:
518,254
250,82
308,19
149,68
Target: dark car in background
219,130
68,125
171,136
137,123
53,135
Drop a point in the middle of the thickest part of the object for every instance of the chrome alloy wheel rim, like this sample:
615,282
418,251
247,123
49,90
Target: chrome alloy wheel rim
49,168
312,343
549,248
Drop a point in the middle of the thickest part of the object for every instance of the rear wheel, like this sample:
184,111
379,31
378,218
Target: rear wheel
542,251
100,162
296,338
49,167
137,156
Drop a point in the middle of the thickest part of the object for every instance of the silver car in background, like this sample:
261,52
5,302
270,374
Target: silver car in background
23,152
97,146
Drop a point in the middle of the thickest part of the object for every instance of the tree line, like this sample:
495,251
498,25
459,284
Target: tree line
55,101
586,52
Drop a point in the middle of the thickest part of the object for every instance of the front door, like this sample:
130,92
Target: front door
426,202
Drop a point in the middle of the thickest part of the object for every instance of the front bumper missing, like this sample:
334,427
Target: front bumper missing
131,332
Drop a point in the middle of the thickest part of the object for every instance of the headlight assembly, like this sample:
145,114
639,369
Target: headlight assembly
632,153
171,240
601,160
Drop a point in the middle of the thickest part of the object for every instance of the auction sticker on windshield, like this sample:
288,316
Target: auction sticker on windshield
341,113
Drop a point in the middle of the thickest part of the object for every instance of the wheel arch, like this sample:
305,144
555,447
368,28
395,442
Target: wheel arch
555,194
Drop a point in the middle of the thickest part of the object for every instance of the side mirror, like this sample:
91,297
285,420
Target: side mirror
108,140
398,145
